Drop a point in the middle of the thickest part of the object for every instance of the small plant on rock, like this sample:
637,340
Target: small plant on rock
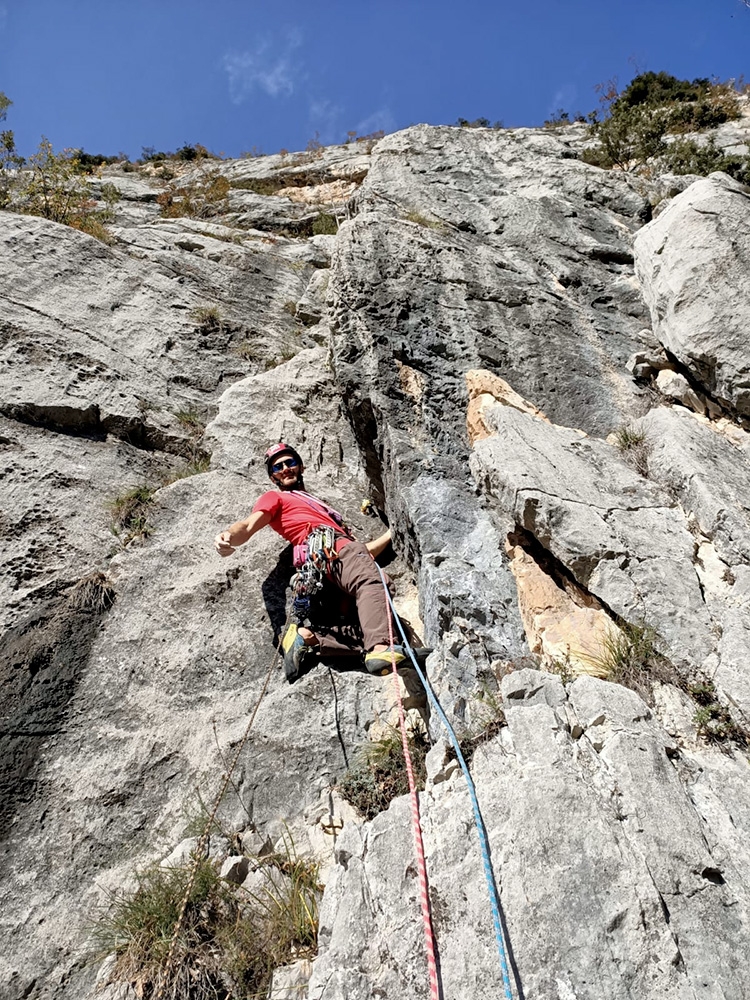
207,318
192,420
423,220
130,513
379,776
93,593
629,656
202,197
634,447
712,719
231,939
325,225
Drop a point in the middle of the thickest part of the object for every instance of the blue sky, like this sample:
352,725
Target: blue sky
110,75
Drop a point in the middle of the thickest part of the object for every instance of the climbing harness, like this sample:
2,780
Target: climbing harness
202,846
479,822
312,560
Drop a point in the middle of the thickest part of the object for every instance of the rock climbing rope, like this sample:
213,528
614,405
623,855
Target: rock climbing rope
418,844
479,822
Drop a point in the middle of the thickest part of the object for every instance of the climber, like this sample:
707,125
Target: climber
322,543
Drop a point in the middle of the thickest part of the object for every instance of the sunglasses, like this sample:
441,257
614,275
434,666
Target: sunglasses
285,463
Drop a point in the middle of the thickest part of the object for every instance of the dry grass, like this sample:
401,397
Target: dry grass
629,657
130,513
634,448
93,593
231,939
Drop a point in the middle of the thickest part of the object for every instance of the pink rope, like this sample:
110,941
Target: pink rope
421,864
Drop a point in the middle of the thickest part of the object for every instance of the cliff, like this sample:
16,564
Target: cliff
539,369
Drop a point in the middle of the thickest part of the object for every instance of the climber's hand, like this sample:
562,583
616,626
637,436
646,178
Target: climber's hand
223,545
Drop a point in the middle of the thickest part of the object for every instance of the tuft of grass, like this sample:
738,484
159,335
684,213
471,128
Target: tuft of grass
130,513
231,939
713,720
93,593
248,350
634,447
325,224
207,318
379,775
629,657
194,467
423,220
192,420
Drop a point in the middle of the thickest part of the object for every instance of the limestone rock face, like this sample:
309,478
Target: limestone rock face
694,266
447,322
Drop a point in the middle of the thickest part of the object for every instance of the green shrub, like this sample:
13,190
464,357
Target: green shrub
200,198
478,123
651,107
53,186
687,156
88,162
325,225
560,119
713,720
150,155
379,775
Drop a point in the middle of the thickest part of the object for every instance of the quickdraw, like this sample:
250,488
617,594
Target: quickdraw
312,561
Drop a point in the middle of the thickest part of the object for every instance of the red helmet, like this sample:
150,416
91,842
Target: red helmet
280,449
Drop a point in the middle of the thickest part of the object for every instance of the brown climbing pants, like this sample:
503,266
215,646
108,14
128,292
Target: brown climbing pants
354,573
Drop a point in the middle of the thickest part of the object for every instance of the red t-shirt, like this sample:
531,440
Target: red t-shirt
292,516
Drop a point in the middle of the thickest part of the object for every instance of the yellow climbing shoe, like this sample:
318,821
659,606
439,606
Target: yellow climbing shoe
295,651
381,663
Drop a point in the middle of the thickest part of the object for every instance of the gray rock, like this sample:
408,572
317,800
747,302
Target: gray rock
692,263
616,533
235,868
675,386
619,847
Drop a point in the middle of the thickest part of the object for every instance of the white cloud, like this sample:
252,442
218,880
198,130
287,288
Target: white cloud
380,119
269,67
325,118
563,99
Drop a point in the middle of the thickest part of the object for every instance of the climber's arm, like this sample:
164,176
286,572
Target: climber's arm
240,532
377,545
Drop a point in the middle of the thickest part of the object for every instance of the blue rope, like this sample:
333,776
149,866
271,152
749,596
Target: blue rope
483,842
